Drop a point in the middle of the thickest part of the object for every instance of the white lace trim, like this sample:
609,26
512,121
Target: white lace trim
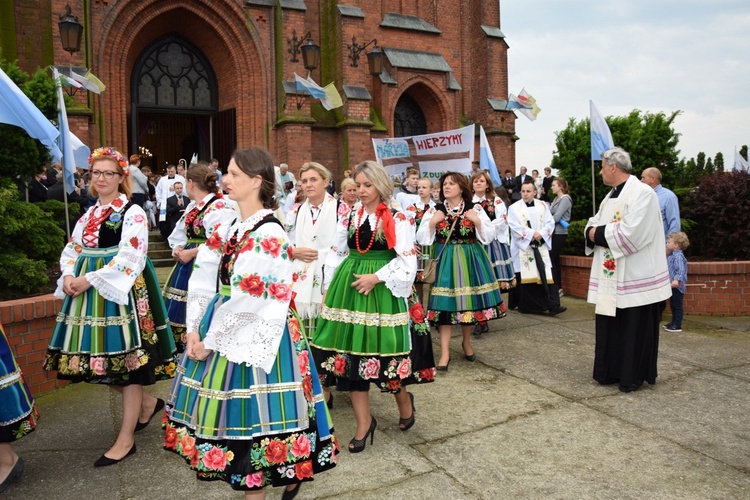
393,277
196,308
245,338
106,290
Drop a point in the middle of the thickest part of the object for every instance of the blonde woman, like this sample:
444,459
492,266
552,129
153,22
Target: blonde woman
363,335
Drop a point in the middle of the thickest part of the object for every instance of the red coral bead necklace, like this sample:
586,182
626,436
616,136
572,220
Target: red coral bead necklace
374,232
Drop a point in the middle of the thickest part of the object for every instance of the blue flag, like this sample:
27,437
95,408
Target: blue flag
486,161
63,140
601,137
17,109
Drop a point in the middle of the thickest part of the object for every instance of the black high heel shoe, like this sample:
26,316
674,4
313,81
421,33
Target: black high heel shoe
406,423
357,445
290,494
443,368
471,357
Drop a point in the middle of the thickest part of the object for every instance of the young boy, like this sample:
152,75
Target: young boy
407,195
677,264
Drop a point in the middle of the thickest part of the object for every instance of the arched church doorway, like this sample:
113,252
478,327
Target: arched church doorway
408,118
174,105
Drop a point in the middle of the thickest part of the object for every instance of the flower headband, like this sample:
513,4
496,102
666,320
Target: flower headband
111,153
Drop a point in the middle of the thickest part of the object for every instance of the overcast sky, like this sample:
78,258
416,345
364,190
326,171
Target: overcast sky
652,55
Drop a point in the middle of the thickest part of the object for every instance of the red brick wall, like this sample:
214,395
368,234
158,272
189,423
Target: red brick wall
28,324
714,288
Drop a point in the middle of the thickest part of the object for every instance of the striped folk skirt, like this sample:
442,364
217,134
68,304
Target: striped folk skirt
175,296
502,264
371,339
99,341
18,415
236,423
466,290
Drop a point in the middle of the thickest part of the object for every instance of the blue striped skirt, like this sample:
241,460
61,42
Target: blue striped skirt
18,415
465,289
99,341
175,296
236,423
502,264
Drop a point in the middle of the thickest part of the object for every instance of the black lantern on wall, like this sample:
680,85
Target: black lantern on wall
71,31
310,55
375,61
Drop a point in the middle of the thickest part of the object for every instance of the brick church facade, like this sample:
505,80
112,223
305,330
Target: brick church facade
207,76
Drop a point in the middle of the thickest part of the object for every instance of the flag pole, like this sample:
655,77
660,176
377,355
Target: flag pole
593,190
63,160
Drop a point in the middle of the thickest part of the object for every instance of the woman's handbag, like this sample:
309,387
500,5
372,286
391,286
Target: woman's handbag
429,273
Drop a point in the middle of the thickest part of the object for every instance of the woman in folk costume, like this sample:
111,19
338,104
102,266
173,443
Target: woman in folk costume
369,332
246,406
312,227
203,213
112,328
18,415
465,291
416,211
498,249
531,228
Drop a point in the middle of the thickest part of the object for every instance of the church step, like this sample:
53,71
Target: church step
160,254
163,262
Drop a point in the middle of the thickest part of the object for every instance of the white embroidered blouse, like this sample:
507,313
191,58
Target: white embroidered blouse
247,327
113,281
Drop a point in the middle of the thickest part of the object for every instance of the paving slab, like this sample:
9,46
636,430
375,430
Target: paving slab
577,452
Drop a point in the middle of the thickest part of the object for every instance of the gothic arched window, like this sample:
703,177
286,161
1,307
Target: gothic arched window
173,74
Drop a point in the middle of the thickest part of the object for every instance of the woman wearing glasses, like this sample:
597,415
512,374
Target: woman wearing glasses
112,328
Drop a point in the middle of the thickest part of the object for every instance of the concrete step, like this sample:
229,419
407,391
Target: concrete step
159,254
163,262
158,245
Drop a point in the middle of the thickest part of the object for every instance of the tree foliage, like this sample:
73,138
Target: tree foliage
20,155
718,205
649,138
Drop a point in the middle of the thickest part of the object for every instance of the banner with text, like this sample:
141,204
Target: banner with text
432,154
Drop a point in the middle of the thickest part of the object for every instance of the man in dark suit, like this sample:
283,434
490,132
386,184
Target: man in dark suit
521,178
176,206
56,192
509,183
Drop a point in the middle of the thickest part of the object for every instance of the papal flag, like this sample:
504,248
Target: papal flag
601,137
530,109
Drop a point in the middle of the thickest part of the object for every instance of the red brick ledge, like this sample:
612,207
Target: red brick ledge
714,288
28,324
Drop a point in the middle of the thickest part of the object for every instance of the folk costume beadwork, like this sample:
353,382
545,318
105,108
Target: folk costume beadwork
252,413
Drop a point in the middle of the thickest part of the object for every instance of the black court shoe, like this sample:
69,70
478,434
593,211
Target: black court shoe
105,461
357,445
290,494
406,423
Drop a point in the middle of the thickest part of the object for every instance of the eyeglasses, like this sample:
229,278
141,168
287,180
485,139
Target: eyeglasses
108,174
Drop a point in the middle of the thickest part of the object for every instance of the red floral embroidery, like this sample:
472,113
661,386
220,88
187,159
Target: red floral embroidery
117,203
303,470
276,452
271,246
134,242
253,285
609,264
248,245
214,242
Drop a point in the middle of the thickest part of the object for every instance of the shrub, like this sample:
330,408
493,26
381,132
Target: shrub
718,205
575,243
34,242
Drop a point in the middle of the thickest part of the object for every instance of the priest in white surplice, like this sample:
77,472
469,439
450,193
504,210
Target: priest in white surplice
629,276
531,228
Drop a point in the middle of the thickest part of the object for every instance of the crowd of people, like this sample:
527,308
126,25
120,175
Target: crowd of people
282,291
